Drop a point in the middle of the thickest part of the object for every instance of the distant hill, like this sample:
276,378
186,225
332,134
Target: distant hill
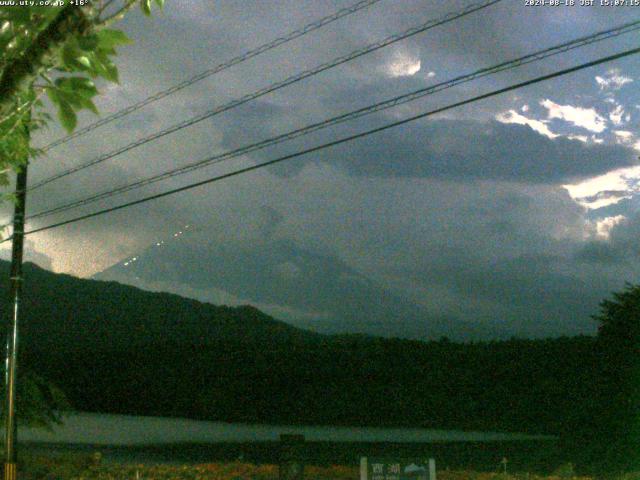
69,313
113,348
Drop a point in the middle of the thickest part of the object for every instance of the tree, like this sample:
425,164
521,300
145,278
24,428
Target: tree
40,403
603,434
618,346
58,51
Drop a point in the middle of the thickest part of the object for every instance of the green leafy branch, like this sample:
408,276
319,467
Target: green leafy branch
58,53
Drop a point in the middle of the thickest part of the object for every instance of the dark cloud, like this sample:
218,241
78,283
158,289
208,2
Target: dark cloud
468,150
599,252
621,247
449,149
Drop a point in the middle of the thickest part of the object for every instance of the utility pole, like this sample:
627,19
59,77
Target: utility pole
11,428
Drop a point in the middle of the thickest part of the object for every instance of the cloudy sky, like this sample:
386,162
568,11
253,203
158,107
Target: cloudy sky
513,216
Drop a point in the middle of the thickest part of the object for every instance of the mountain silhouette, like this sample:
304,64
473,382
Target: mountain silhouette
114,348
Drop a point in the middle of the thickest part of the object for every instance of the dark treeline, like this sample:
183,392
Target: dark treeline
520,386
117,349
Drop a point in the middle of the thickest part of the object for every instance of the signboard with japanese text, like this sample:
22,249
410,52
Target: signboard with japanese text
397,469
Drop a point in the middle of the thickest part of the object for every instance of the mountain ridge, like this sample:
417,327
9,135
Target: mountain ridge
94,311
113,348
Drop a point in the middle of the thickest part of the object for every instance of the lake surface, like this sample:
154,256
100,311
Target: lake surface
101,429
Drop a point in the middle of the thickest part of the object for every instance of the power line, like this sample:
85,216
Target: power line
217,69
395,101
338,142
264,91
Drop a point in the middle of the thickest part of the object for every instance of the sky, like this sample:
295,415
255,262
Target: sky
512,216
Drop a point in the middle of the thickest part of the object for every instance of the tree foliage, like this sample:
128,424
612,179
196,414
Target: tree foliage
39,403
603,432
619,405
619,320
58,52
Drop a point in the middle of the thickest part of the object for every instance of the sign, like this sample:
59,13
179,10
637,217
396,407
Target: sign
397,469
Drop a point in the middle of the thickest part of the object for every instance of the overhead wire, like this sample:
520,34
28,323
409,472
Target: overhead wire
310,27
272,88
333,143
386,104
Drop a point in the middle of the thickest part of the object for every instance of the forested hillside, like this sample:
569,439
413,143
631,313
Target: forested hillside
115,348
